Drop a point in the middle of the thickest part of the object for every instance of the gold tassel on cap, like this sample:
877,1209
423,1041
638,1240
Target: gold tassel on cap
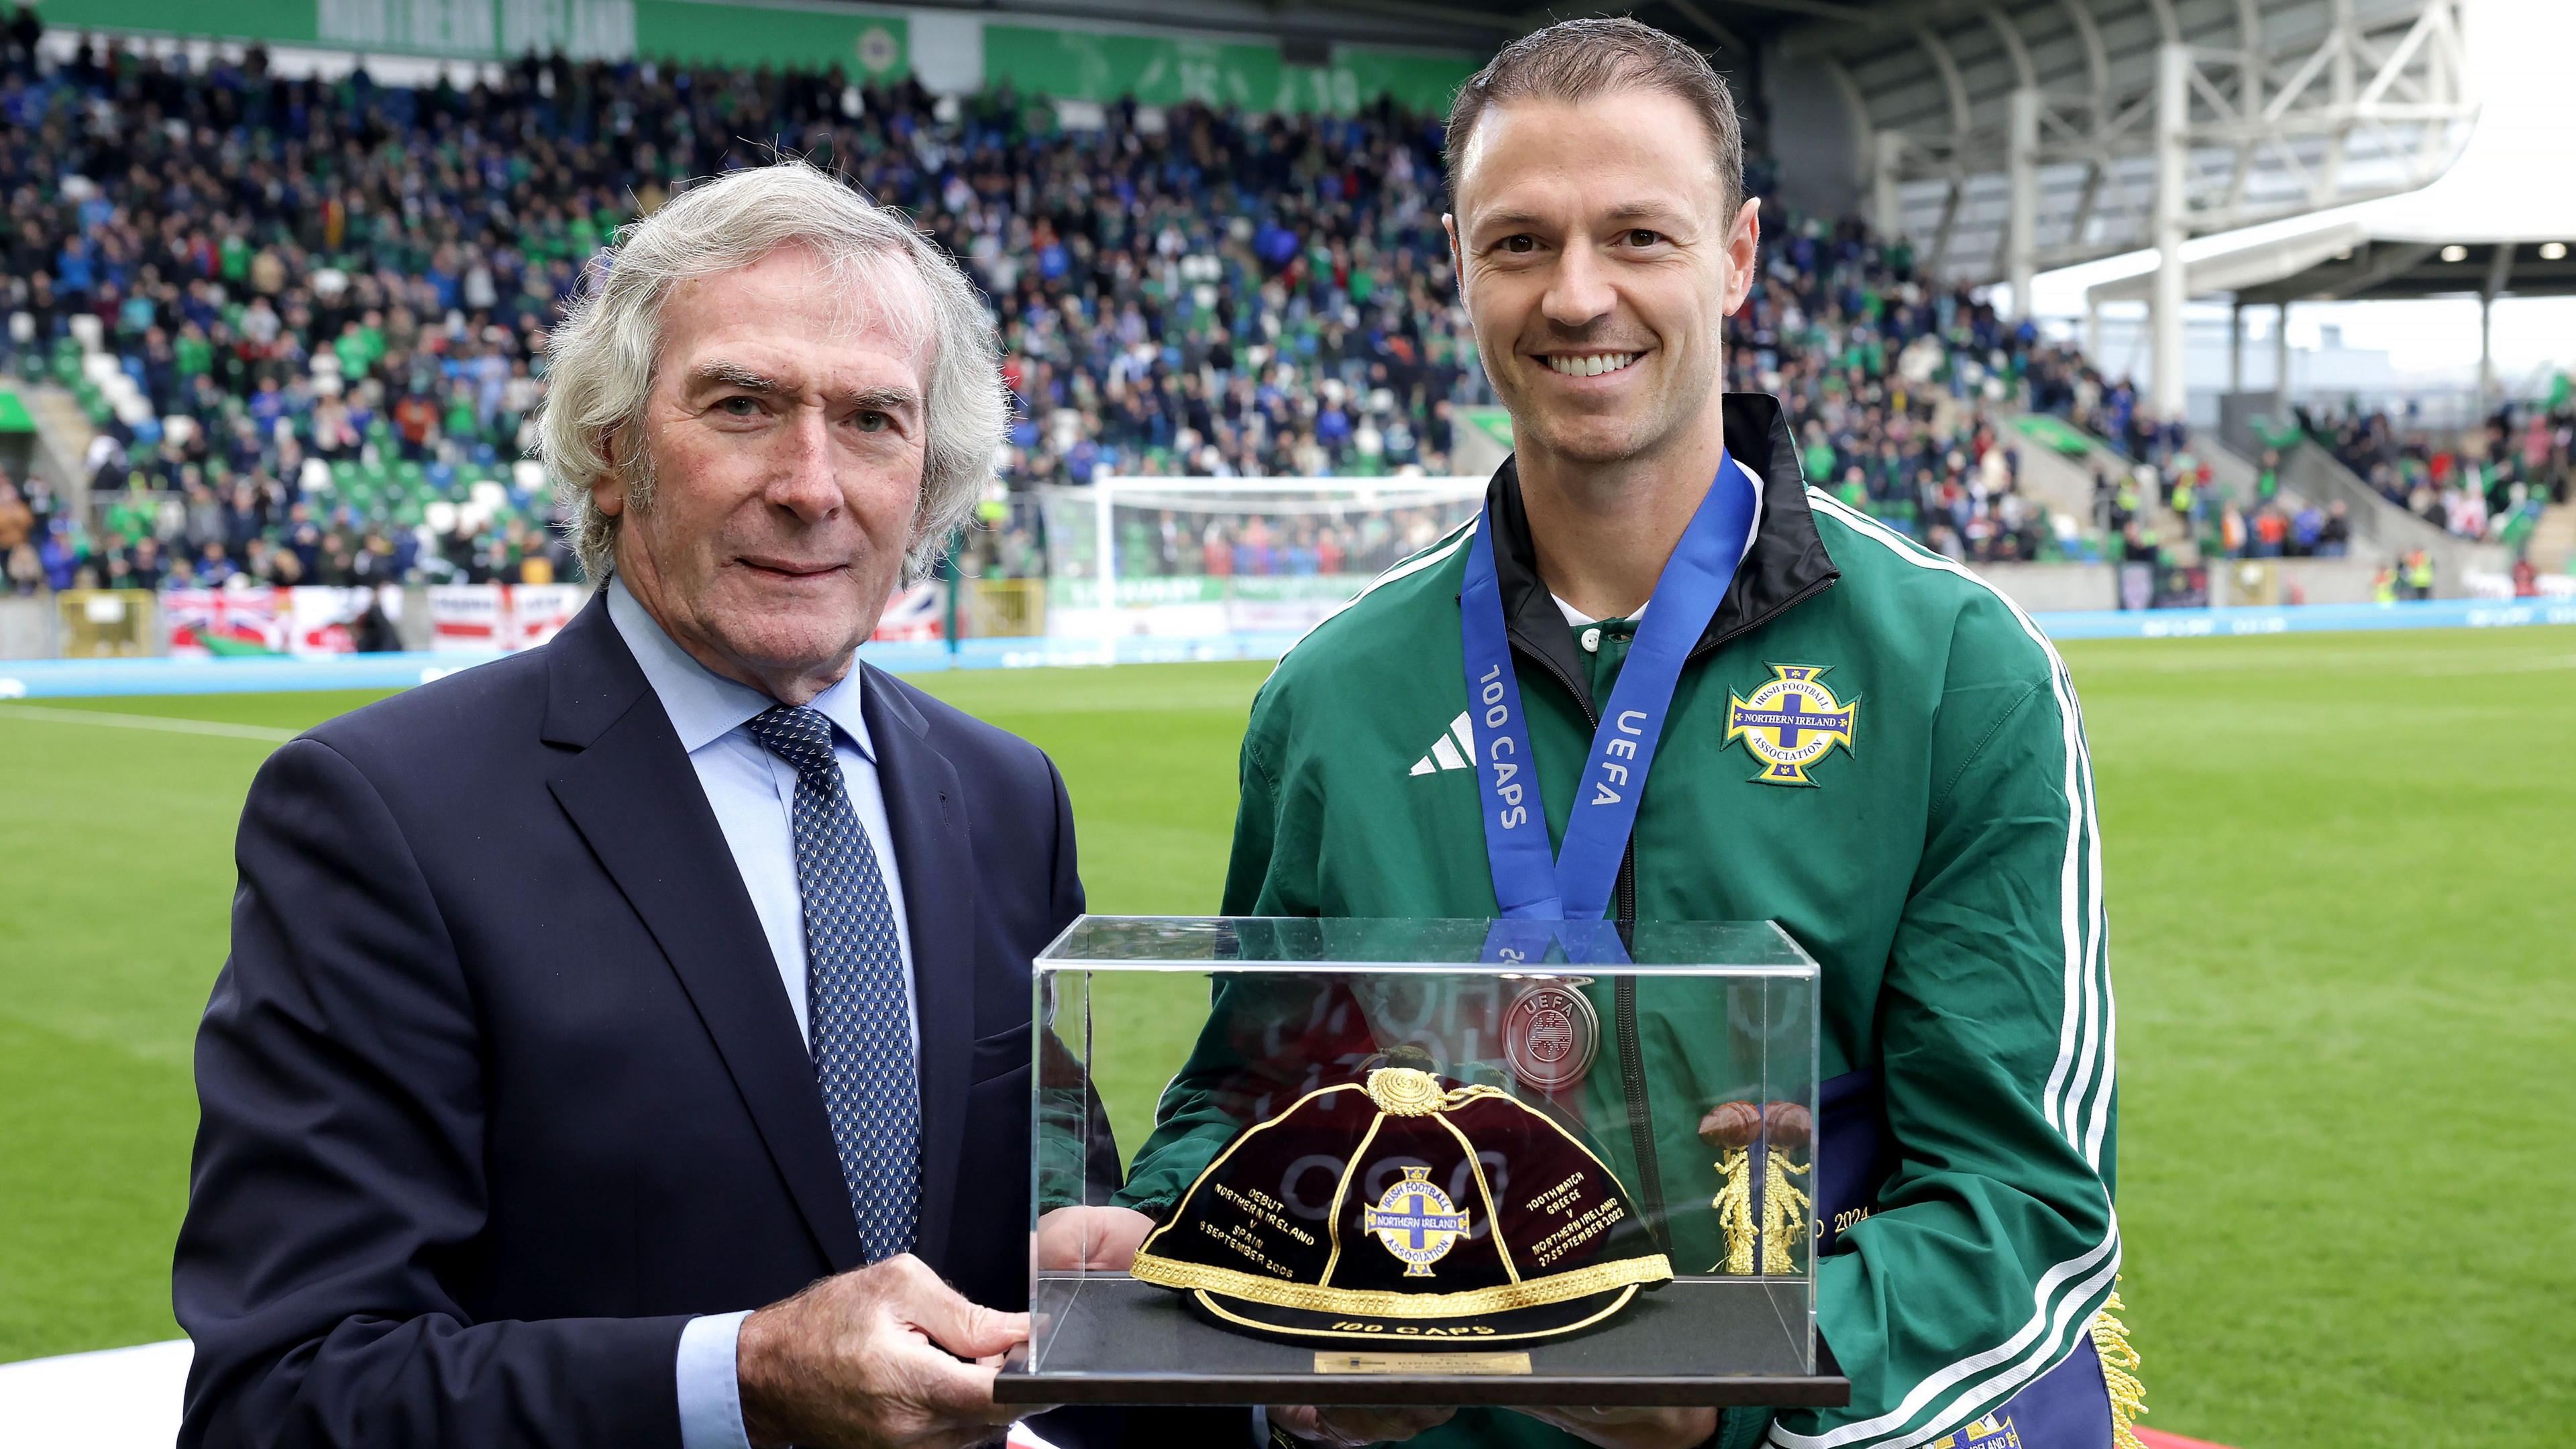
1731,1127
2119,1372
1734,1204
1784,1213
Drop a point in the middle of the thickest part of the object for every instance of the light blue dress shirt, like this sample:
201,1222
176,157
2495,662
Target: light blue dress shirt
753,794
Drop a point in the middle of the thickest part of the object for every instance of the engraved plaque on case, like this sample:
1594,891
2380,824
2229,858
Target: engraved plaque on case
1421,1363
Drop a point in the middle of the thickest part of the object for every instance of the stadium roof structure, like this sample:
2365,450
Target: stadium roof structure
2007,136
2004,137
2484,229
2010,136
2481,230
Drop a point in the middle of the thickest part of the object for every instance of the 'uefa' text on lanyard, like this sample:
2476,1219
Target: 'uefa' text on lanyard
1575,885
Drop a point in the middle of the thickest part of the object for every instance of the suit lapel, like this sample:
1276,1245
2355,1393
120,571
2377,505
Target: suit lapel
632,794
924,808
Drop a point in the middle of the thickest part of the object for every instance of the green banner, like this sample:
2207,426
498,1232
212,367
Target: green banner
720,32
2049,430
1417,82
1493,422
1158,70
289,22
2277,433
465,29
867,47
1091,65
1096,66
13,414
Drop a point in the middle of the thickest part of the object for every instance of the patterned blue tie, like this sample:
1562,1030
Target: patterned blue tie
860,1027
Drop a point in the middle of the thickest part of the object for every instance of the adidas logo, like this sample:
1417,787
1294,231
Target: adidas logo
1454,750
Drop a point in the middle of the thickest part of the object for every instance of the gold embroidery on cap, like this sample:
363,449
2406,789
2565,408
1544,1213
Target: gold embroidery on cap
1387,1303
1404,1091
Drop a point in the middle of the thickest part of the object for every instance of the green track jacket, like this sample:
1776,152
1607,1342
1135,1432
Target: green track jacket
1942,864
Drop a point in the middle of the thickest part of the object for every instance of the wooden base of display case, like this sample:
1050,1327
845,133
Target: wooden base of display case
1717,1342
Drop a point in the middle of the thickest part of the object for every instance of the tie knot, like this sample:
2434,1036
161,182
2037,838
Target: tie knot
800,736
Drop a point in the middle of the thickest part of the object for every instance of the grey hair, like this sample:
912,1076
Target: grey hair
600,361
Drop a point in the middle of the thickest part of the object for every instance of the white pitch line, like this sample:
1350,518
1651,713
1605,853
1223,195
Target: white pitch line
147,722
2529,666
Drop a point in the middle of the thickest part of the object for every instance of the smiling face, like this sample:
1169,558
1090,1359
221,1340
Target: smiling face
1598,263
785,431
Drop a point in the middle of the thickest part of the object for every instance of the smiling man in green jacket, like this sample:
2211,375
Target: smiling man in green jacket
1845,733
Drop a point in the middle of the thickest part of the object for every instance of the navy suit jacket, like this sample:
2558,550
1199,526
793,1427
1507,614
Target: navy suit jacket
499,1086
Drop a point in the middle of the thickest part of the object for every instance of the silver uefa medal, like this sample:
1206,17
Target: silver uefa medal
1550,1034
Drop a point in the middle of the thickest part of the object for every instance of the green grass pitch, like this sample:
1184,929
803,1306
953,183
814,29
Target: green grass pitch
2343,904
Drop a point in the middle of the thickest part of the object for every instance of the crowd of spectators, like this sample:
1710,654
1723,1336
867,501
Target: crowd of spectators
1897,388
2265,525
331,298
299,273
2488,482
300,279
1203,292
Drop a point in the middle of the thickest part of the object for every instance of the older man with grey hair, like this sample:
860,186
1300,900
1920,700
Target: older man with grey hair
596,1056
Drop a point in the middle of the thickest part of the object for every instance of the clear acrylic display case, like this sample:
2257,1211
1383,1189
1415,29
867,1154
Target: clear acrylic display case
1677,1058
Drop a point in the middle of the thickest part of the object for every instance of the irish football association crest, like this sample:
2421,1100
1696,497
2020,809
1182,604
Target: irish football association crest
1995,1431
1416,1222
1790,723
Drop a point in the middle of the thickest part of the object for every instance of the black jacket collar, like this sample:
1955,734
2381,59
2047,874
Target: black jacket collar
1786,564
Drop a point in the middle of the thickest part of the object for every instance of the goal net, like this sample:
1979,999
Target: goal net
1197,558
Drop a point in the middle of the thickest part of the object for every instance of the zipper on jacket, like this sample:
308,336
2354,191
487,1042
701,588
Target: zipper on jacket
1623,1012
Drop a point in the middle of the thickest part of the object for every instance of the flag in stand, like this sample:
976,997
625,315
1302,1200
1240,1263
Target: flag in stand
467,617
917,615
537,611
225,623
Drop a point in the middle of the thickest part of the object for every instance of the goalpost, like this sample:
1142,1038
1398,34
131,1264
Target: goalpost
1201,558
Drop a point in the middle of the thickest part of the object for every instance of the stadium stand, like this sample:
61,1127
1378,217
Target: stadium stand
2491,482
305,320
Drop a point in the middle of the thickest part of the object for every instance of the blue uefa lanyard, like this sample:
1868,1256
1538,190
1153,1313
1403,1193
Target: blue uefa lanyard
1576,884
